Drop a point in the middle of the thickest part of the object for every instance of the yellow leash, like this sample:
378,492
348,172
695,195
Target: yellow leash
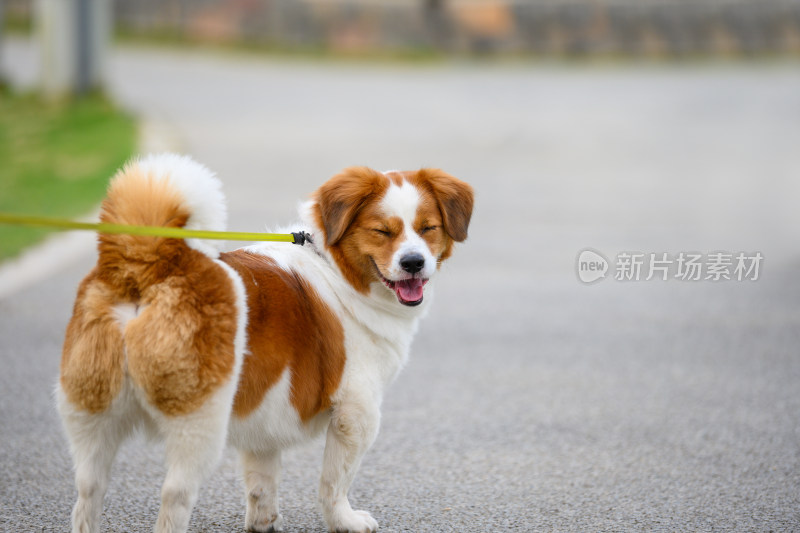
150,231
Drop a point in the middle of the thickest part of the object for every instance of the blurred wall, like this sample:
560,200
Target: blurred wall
547,27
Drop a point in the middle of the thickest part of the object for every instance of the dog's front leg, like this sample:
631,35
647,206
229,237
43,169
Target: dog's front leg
353,428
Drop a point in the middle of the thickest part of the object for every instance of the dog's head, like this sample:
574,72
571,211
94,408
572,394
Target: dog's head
394,228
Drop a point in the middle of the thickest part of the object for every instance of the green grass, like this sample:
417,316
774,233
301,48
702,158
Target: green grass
56,159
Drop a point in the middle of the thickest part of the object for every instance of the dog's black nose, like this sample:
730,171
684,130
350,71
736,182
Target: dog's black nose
412,263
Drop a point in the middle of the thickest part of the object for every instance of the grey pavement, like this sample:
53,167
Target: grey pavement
532,402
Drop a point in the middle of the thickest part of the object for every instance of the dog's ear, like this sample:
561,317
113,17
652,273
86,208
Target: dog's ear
341,198
455,199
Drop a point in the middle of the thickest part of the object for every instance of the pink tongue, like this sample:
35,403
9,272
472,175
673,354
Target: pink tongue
409,290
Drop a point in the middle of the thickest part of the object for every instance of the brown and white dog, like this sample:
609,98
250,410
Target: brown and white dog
263,347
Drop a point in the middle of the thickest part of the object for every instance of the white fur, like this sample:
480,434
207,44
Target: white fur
401,201
94,441
377,333
124,313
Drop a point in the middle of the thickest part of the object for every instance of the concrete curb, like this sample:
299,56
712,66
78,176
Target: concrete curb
64,249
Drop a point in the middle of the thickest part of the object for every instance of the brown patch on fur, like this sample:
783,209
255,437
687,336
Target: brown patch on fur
92,358
429,225
338,202
396,176
373,238
180,347
341,198
135,197
288,325
368,246
454,197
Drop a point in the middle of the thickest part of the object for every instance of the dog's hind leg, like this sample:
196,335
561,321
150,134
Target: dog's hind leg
94,441
194,445
91,398
262,472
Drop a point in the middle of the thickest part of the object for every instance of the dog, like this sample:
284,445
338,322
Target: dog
261,348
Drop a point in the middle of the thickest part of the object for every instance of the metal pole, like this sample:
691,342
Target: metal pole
83,43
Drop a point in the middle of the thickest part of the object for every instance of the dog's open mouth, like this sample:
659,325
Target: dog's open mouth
408,291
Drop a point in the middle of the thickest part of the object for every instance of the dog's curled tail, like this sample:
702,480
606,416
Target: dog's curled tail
160,190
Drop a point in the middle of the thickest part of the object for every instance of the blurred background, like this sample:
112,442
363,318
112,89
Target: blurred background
537,27
532,402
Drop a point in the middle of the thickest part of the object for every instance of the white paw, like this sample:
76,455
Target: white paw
355,522
266,524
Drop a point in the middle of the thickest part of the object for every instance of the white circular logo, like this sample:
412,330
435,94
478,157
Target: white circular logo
591,266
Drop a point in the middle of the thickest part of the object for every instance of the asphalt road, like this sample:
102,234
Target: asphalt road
532,402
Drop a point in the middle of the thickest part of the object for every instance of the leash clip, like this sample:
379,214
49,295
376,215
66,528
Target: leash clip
301,237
